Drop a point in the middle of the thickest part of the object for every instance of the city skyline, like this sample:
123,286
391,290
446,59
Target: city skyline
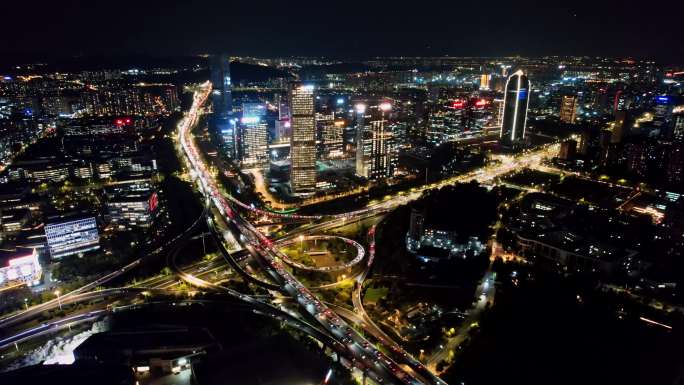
206,192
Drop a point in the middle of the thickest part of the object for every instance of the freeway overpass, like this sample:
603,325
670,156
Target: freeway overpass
379,366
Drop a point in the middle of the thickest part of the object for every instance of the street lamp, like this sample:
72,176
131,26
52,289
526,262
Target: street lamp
59,300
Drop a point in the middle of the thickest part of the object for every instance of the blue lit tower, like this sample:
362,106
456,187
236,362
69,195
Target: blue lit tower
220,81
253,134
222,121
516,103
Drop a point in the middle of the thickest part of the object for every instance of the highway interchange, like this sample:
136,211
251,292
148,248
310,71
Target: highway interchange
385,363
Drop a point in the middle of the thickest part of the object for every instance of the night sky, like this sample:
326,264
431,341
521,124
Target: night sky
345,28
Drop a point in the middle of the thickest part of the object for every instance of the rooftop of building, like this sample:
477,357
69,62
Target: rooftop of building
67,217
552,201
7,254
133,196
578,244
130,178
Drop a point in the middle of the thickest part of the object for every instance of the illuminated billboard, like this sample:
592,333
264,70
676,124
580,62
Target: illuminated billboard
153,202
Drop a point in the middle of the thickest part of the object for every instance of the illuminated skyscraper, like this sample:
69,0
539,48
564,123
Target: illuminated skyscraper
303,142
254,142
329,136
283,107
222,121
497,112
282,131
376,155
516,103
383,152
568,110
360,110
678,131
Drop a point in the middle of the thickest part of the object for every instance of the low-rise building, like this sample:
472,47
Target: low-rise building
40,171
12,221
133,209
71,236
431,244
543,233
19,267
132,202
572,251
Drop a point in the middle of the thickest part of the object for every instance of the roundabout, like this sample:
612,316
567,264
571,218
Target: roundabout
317,255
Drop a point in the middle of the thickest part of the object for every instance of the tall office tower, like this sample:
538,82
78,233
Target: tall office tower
360,111
303,142
222,121
383,147
401,134
376,155
222,98
329,135
497,112
622,101
254,134
283,107
663,112
484,81
282,131
516,103
230,135
568,110
678,131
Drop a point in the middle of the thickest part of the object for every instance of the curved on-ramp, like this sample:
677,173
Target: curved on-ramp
360,254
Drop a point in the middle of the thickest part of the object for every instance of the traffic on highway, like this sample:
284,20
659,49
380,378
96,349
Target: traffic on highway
365,357
389,364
